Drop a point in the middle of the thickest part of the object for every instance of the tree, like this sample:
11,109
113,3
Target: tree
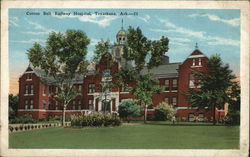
146,54
233,115
62,58
101,48
146,85
128,108
13,106
214,86
164,111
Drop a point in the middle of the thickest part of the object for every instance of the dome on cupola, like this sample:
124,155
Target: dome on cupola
121,36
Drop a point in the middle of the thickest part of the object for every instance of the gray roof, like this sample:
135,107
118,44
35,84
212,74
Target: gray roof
50,80
163,71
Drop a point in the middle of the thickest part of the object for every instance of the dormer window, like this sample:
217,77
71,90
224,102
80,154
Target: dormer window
28,77
199,61
193,62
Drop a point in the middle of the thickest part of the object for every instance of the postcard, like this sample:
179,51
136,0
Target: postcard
125,78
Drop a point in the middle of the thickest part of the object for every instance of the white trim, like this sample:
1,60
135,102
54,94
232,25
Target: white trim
28,79
29,72
42,110
221,110
185,108
124,92
30,110
174,91
196,56
196,66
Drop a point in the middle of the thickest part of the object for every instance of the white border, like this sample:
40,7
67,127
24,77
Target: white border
244,77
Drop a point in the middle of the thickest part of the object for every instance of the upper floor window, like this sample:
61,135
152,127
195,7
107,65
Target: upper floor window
31,104
26,90
28,76
174,87
31,89
199,61
191,81
193,63
44,90
91,88
166,83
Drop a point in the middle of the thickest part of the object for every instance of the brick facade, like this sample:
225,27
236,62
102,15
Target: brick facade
176,78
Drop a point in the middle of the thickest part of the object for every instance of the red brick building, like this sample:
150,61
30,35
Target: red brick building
35,88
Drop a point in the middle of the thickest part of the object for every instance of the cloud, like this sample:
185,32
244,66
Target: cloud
13,21
37,26
28,41
102,21
232,22
211,40
146,18
94,41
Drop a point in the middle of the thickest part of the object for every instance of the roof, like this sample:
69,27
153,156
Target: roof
121,32
163,71
50,80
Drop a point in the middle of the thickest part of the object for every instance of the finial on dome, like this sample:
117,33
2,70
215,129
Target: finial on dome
122,23
196,46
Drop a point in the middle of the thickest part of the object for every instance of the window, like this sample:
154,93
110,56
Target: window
74,105
166,85
166,100
201,117
191,117
28,77
91,88
44,104
191,81
31,104
56,89
199,61
174,87
124,88
117,52
174,100
44,90
26,104
56,105
91,104
79,88
31,89
26,90
79,105
193,64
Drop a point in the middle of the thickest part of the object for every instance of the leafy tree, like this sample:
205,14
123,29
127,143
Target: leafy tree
214,86
233,115
146,85
146,54
13,106
164,111
101,48
63,57
128,108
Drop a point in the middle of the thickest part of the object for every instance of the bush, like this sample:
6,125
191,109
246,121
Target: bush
164,112
128,108
95,120
24,120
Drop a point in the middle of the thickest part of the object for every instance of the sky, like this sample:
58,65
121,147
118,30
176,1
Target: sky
215,31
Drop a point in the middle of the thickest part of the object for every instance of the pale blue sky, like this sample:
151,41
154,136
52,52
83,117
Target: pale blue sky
215,31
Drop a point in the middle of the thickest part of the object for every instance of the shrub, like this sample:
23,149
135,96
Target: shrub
128,108
164,112
95,120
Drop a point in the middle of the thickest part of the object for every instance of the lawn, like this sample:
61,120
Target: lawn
154,135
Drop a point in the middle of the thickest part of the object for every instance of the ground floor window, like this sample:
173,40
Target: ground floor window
106,106
191,117
201,116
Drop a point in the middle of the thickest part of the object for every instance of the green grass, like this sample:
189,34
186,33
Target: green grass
154,135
